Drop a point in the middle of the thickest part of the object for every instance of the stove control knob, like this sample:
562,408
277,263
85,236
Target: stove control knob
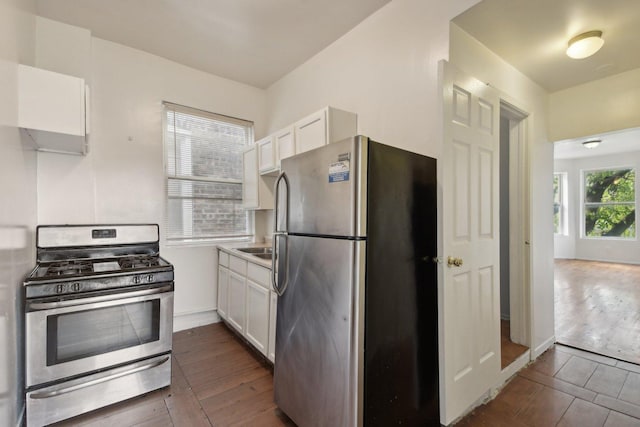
137,279
76,287
150,278
59,289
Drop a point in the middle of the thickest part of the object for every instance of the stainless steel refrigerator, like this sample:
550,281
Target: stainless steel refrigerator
357,333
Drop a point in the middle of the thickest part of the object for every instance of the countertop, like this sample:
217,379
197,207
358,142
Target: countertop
232,249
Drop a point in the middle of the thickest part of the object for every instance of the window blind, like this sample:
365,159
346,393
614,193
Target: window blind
204,175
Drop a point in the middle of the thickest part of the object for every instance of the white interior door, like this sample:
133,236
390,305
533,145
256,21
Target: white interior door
470,332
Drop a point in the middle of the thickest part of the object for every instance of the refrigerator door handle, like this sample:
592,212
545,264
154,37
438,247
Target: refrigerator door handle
277,234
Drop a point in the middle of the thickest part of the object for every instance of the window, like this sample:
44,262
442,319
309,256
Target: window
204,175
609,203
560,203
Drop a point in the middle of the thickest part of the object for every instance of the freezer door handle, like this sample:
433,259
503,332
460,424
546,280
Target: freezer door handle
280,234
276,189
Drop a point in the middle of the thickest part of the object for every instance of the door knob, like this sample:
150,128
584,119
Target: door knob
454,262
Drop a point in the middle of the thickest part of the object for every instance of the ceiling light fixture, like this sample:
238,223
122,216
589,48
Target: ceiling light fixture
592,143
585,44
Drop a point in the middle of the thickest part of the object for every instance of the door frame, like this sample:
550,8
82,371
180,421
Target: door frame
519,196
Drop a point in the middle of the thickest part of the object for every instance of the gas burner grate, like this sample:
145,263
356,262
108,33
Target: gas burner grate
139,262
68,268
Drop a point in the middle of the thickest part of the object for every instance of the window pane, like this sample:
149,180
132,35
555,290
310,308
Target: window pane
610,221
205,189
610,186
208,147
206,218
202,147
610,203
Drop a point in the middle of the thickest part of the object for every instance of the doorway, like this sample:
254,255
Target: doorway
596,267
513,239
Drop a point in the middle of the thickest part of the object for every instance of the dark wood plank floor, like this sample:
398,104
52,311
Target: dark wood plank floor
218,381
509,351
597,307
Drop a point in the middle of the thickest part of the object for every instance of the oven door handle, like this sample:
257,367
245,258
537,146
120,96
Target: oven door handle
69,389
91,300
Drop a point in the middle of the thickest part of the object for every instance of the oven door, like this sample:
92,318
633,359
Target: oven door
79,336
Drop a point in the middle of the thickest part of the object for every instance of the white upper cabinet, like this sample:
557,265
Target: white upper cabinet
262,161
286,143
320,128
257,191
267,155
311,132
53,107
324,127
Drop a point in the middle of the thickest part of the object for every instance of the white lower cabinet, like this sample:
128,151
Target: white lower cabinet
257,331
237,295
246,301
273,313
223,291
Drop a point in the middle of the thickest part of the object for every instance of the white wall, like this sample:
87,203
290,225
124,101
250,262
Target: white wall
385,70
122,177
611,250
17,203
475,59
600,106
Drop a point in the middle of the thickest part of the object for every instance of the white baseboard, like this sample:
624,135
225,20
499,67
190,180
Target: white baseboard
182,321
543,347
513,368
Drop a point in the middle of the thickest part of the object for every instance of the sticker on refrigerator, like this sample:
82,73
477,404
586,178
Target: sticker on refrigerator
339,171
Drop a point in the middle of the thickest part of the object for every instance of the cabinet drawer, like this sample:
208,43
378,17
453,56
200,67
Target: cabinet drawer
223,258
238,265
259,275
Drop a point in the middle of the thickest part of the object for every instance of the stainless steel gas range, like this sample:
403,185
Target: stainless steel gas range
98,319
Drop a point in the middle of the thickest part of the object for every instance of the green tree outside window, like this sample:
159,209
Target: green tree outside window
609,203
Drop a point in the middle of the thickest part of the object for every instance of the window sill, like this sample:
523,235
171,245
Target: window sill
204,243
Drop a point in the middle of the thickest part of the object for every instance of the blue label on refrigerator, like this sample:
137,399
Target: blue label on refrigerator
339,171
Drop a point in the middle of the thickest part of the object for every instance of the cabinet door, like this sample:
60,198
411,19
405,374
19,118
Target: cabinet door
51,101
223,292
273,312
250,178
236,309
257,330
266,155
285,143
311,132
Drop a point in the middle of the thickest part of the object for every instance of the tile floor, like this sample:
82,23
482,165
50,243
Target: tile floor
566,387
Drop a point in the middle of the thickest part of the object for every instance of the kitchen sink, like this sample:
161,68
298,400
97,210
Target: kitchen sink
257,251
262,256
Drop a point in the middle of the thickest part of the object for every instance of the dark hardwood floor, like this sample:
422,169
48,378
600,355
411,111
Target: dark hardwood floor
218,381
597,307
509,351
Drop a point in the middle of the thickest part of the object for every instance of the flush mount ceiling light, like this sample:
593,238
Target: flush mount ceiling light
585,44
592,143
